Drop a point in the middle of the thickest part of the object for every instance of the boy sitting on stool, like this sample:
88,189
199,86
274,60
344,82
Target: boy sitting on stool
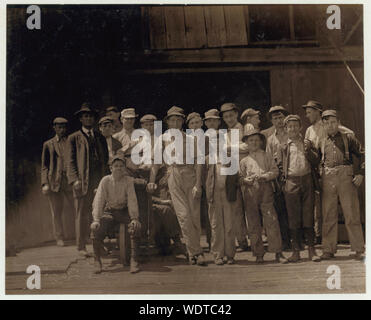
257,171
115,202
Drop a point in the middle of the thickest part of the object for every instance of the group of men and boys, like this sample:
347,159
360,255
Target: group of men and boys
287,188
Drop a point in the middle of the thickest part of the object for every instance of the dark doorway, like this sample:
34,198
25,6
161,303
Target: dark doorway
195,92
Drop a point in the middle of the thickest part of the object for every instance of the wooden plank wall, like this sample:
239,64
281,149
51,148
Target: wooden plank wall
186,27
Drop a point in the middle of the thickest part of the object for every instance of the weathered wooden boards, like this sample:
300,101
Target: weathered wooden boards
190,27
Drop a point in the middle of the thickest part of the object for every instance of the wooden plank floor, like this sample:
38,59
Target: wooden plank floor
172,275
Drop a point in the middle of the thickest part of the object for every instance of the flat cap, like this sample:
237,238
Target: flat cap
249,113
148,117
228,107
112,108
329,113
277,109
175,111
313,104
193,115
248,132
86,107
118,156
105,120
128,113
212,114
292,117
60,120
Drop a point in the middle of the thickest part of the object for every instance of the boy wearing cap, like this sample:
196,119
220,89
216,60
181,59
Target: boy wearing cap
115,202
295,160
54,182
114,113
185,190
106,129
128,117
257,171
220,209
278,138
87,163
229,112
340,182
251,118
194,121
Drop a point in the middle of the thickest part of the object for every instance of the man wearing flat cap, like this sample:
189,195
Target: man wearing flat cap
339,183
128,117
54,182
278,138
185,187
114,113
316,134
229,113
106,129
87,164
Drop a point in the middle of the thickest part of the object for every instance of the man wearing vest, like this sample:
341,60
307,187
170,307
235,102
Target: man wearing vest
340,183
87,163
316,134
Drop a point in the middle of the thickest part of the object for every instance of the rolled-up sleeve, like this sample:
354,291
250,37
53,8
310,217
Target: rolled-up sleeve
100,200
132,199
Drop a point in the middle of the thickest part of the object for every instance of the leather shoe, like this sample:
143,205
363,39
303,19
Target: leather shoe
295,257
201,260
219,262
97,267
134,266
327,256
281,259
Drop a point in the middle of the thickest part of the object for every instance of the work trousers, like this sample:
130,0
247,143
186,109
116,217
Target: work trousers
299,196
240,227
221,217
83,213
108,221
259,208
181,181
56,203
166,225
338,185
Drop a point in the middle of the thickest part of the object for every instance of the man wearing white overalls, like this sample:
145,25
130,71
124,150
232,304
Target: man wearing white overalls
185,188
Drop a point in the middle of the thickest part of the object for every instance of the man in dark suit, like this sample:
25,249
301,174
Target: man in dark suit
54,176
106,129
87,164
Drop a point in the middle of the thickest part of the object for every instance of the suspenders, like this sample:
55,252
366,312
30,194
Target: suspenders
346,147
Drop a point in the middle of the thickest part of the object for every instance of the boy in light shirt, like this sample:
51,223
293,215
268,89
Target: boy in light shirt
257,171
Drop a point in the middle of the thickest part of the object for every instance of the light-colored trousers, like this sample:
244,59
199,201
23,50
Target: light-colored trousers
260,212
338,185
181,181
221,217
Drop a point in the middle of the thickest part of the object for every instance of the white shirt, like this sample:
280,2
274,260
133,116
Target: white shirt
86,131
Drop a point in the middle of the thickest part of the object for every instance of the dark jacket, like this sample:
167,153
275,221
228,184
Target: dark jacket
283,156
52,164
231,183
78,159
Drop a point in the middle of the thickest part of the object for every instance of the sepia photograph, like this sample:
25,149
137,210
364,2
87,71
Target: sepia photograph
172,149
